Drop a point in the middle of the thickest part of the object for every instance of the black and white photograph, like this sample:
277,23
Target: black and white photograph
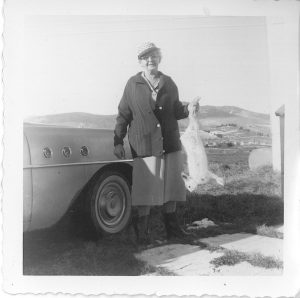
146,147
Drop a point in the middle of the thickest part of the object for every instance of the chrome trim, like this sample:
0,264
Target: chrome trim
66,151
47,151
77,164
84,150
31,186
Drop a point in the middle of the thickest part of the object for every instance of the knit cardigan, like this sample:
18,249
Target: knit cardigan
152,126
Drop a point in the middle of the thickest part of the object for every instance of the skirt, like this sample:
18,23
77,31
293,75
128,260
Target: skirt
157,180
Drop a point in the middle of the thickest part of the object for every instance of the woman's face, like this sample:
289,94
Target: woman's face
150,61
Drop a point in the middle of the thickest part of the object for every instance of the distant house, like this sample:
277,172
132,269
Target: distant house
212,144
218,135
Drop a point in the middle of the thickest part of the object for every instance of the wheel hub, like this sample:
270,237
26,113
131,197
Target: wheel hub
113,204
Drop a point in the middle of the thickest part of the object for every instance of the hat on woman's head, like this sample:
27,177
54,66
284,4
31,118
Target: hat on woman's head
145,48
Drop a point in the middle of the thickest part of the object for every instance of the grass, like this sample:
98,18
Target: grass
53,252
249,202
250,199
233,257
269,231
234,208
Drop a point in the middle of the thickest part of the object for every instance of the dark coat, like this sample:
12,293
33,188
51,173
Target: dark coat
152,126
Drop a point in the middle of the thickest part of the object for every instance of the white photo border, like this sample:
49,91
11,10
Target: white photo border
15,282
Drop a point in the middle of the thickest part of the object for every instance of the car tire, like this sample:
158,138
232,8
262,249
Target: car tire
110,203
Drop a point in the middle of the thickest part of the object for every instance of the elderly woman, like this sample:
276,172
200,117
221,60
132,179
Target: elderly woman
149,109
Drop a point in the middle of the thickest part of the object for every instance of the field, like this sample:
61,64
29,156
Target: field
249,202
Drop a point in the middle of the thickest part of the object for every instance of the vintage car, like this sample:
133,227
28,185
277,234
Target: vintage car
61,163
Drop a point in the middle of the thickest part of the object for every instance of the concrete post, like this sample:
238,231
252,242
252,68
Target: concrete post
281,113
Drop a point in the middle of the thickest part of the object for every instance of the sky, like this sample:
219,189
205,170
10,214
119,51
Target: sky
82,63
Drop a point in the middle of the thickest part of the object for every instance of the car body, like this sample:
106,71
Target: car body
60,162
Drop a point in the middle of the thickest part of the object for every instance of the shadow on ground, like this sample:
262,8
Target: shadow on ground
69,248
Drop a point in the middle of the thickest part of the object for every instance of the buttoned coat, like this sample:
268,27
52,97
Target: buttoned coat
152,125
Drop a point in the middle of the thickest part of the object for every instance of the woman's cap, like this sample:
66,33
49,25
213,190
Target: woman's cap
145,48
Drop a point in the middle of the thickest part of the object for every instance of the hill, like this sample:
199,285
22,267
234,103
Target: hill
211,117
220,125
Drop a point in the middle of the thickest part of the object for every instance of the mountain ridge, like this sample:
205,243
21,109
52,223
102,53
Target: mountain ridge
210,116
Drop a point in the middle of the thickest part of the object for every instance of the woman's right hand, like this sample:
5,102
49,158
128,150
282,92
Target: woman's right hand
119,151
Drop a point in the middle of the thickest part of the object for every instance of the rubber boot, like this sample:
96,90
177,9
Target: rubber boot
141,228
173,227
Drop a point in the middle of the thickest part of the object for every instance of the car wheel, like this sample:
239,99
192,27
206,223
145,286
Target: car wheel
110,203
